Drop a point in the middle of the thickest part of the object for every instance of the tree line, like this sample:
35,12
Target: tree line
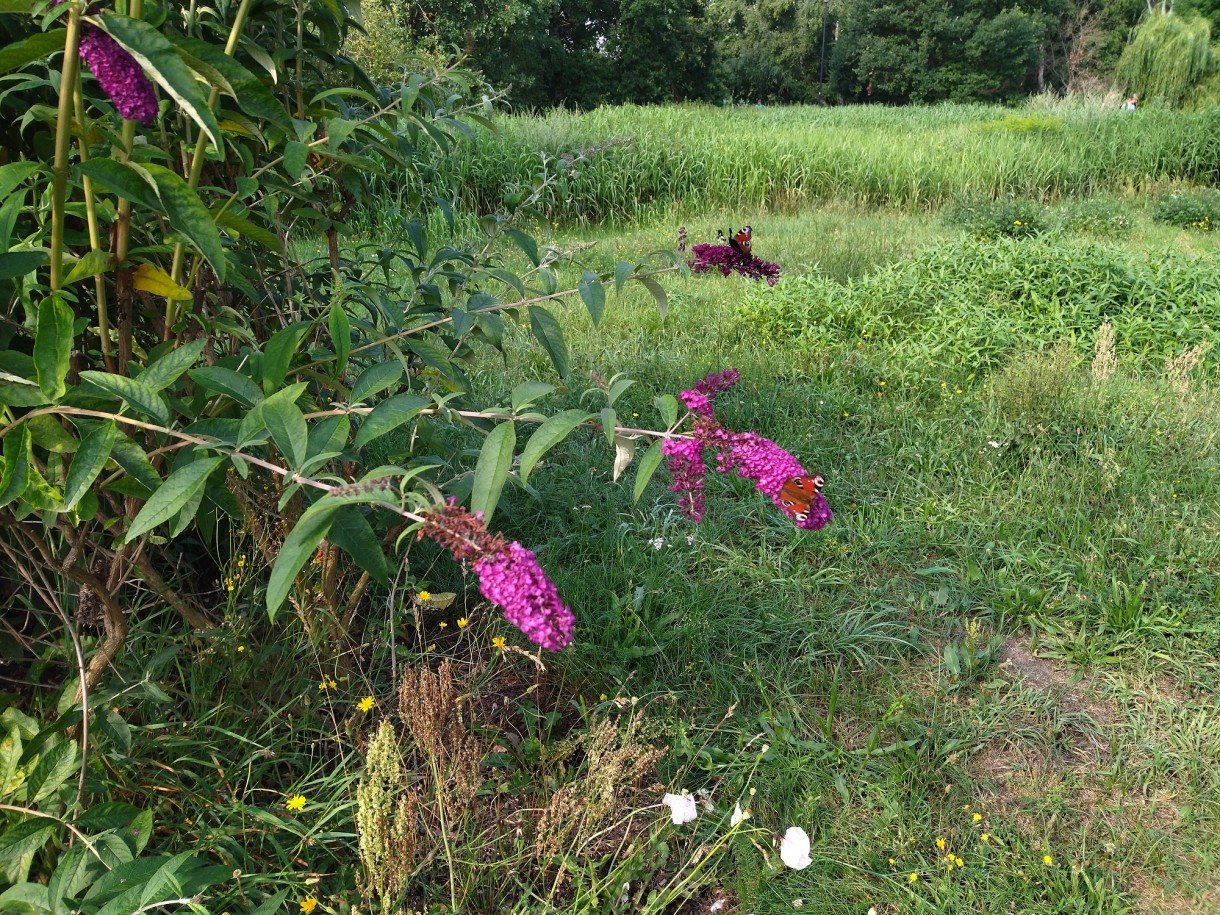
584,53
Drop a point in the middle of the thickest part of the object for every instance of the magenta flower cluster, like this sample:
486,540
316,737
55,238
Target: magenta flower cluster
728,259
513,580
509,575
119,74
752,456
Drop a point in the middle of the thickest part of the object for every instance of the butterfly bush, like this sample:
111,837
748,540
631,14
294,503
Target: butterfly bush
728,259
118,73
749,454
509,575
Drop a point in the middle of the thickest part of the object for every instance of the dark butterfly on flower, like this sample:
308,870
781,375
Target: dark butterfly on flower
741,240
797,494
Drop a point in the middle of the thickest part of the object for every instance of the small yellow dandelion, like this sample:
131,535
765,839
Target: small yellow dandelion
296,803
601,697
463,622
424,595
965,806
1048,860
986,837
977,817
241,647
308,904
892,861
365,704
913,878
940,843
959,862
498,642
881,383
444,625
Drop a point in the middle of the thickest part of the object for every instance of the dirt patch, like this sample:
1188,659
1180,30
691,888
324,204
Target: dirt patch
1043,675
1156,900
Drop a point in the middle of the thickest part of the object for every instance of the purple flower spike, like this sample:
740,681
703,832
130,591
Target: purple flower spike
514,580
119,74
728,260
684,461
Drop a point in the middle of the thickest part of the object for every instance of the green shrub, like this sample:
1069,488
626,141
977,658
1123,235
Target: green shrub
1008,217
1194,209
1104,217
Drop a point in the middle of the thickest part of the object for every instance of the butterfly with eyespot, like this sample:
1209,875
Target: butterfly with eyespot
741,240
797,494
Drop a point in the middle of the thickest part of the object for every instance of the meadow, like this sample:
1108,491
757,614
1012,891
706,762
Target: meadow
989,685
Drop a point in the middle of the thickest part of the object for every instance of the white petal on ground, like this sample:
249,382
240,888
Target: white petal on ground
738,815
683,808
794,849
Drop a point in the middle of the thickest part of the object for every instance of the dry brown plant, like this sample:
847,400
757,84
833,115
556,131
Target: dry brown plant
1105,356
1179,368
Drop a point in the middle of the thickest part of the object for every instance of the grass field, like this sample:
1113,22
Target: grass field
989,685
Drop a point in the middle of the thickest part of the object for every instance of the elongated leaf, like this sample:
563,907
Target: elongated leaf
622,272
550,335
298,547
226,381
526,243
19,263
525,394
93,263
161,62
17,847
375,379
88,462
240,226
648,466
39,45
16,465
287,426
389,415
174,493
126,179
495,460
13,174
658,293
547,436
439,358
329,435
250,94
54,767
352,533
295,154
169,368
609,420
133,392
151,278
11,775
135,463
624,451
53,345
277,355
340,336
593,293
189,216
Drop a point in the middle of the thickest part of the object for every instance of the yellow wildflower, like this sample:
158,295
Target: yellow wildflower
986,837
296,803
940,843
913,878
444,625
1047,860
308,904
463,622
424,595
365,704
977,817
497,642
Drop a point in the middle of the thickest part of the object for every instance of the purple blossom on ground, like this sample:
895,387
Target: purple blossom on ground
684,461
514,580
119,74
713,384
728,259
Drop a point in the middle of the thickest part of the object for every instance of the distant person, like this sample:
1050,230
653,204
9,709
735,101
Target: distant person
1132,101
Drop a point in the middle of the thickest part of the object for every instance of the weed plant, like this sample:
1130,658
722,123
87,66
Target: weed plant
1195,209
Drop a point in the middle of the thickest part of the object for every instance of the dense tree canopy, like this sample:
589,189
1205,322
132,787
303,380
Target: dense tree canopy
582,53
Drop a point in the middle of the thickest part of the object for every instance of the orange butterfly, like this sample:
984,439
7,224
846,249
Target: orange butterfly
797,494
741,240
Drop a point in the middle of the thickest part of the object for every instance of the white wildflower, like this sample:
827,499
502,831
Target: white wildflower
682,807
794,848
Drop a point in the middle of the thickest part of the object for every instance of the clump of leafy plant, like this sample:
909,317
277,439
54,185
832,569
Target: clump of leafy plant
1007,217
1104,217
1197,208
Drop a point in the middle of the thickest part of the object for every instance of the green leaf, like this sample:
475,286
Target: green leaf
550,335
93,263
495,460
226,381
12,776
329,435
287,426
525,394
648,466
667,404
375,379
295,154
189,216
658,293
547,436
526,243
17,847
111,724
16,465
48,433
88,462
340,336
174,493
277,355
160,61
169,368
54,768
617,388
593,293
609,420
135,463
15,173
622,272
19,263
126,179
16,55
53,345
298,547
352,533
389,415
131,391
248,91
244,228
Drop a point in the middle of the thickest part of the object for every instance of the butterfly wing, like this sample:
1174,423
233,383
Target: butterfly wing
740,240
797,494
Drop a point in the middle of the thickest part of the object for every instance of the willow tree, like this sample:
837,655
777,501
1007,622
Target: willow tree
1167,57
